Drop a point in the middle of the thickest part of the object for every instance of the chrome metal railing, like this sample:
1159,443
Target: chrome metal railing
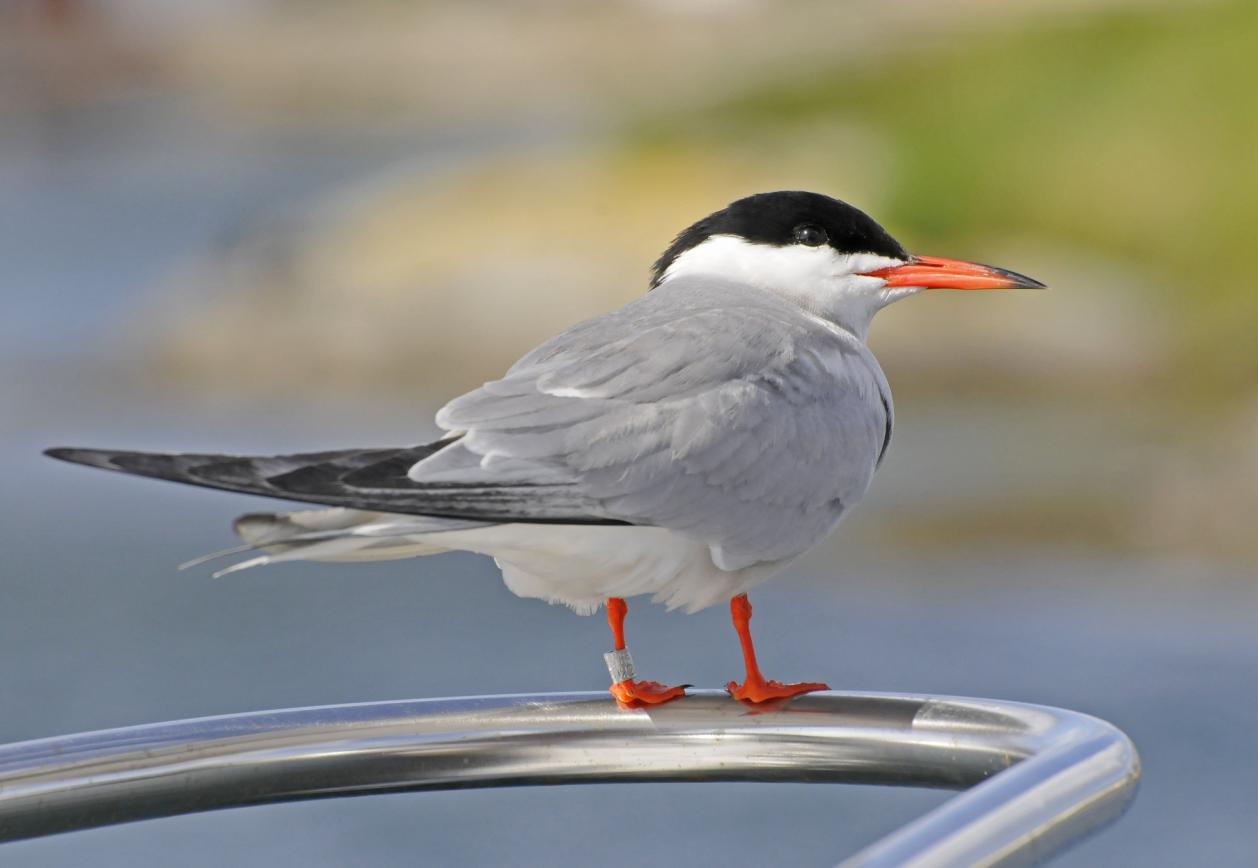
1035,778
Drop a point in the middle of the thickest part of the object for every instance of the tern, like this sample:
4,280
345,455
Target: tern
687,446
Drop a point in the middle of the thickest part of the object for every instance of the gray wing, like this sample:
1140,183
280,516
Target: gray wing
704,407
366,479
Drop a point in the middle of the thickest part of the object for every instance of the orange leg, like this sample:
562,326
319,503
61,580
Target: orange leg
757,688
630,693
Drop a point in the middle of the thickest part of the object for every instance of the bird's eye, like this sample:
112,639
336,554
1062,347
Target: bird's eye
810,235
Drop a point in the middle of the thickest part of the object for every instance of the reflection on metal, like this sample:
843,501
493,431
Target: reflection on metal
1035,778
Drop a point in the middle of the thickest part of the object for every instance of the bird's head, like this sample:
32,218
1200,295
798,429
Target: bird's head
827,256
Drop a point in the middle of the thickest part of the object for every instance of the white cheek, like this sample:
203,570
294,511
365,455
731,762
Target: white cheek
760,265
821,280
793,267
852,285
859,264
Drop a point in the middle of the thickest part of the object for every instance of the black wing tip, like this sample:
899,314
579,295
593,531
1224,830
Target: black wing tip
90,457
106,459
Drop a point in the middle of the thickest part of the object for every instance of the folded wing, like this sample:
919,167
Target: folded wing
707,408
364,479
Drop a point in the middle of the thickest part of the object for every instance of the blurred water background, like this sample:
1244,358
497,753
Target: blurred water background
257,226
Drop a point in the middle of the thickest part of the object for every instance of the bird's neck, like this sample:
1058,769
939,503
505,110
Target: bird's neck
852,308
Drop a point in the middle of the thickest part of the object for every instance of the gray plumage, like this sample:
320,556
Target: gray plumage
706,407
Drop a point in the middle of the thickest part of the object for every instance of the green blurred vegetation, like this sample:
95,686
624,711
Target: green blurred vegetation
1129,132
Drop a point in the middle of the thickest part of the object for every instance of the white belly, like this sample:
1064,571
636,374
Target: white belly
582,565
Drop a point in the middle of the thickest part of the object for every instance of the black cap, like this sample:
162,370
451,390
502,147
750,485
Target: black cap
777,218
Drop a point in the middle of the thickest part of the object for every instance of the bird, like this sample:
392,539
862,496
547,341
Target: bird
687,446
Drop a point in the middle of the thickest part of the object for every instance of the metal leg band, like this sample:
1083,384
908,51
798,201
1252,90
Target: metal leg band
620,665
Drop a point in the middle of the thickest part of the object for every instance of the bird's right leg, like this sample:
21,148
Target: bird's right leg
628,692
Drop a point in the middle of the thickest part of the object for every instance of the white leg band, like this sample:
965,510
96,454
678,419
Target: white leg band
620,665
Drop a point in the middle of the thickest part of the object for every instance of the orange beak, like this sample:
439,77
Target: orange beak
932,272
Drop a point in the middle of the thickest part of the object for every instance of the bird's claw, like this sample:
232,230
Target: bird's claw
636,694
762,690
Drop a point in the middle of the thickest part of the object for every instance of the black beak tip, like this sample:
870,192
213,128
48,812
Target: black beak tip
1020,281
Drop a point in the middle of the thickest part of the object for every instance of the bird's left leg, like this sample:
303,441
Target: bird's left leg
757,688
630,693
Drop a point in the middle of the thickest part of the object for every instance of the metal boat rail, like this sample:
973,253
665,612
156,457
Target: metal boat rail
1034,778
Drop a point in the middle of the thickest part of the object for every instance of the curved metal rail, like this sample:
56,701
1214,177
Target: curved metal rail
1036,778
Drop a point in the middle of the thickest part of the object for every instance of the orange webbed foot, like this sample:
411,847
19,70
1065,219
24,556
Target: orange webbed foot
762,690
637,694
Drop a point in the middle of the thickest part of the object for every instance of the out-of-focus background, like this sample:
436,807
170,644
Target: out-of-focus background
262,225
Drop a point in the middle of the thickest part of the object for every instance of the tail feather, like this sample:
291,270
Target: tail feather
213,556
325,550
333,535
